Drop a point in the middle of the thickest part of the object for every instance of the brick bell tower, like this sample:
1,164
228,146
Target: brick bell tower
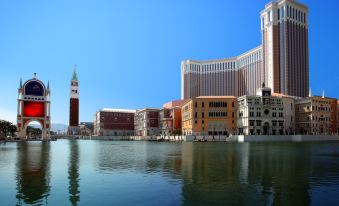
73,128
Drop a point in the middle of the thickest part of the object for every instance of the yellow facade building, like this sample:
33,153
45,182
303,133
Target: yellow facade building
316,115
209,115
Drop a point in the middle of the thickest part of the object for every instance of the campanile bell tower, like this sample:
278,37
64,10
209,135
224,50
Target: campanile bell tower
73,128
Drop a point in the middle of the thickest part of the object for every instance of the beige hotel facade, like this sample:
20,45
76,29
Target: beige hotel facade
281,61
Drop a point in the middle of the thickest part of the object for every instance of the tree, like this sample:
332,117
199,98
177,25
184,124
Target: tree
7,128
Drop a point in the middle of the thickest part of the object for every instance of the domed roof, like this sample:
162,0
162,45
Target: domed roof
34,87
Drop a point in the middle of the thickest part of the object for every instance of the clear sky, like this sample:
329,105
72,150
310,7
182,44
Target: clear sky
128,52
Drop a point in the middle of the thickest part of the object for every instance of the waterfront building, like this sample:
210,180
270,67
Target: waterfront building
316,115
146,122
86,128
114,122
88,125
73,128
281,62
209,115
266,113
170,117
33,105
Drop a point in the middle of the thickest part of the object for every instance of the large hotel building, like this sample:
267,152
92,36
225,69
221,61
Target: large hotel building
281,62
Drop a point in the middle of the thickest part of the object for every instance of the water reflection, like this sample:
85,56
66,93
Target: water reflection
244,174
73,172
283,172
184,173
216,174
33,173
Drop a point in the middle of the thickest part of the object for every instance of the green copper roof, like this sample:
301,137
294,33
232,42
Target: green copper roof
75,76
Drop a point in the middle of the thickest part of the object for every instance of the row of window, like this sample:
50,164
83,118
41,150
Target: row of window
252,122
213,104
316,118
203,122
213,114
289,11
217,114
275,123
34,98
259,123
316,108
218,104
212,67
292,13
251,114
250,59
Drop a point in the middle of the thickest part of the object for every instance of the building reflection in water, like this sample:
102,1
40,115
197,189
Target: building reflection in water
73,172
33,173
236,174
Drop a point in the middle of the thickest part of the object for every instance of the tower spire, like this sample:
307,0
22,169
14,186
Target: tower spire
75,76
48,85
323,94
20,86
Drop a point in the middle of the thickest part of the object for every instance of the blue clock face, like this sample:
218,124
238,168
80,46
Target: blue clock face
34,88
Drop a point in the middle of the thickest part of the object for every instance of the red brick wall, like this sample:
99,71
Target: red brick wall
74,112
117,120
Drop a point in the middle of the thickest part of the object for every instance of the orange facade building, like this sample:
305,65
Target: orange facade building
209,115
170,118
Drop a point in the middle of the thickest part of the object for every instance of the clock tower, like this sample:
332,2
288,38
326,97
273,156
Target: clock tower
73,128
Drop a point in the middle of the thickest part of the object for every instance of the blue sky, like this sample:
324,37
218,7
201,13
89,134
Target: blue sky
128,52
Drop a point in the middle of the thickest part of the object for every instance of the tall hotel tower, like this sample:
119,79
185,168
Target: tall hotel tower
281,62
73,128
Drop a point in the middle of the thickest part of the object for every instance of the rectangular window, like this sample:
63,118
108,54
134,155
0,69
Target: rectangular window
262,23
278,14
269,16
283,12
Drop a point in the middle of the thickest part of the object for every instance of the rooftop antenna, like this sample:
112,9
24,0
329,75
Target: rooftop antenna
310,93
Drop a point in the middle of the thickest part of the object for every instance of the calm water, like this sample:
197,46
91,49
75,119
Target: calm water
147,173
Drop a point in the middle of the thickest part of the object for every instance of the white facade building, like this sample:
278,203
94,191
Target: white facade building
266,114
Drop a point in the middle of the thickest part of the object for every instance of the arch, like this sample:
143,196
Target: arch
34,87
34,132
266,128
33,105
